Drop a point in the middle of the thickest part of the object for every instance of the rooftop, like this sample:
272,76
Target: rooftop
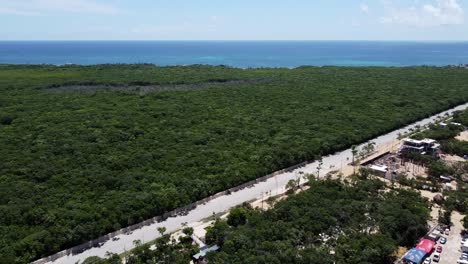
205,251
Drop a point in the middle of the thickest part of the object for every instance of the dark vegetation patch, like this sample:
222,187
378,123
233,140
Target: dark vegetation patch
142,87
6,119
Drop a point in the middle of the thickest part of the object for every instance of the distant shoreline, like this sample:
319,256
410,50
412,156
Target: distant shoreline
220,40
239,54
462,66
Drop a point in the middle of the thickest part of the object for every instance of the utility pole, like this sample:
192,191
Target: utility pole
262,200
276,179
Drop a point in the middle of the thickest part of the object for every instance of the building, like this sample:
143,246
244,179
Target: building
446,179
199,258
426,245
415,256
447,187
379,170
423,147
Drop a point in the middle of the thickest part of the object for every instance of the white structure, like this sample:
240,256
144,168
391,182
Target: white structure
448,187
434,236
423,147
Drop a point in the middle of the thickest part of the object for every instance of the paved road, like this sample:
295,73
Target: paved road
274,185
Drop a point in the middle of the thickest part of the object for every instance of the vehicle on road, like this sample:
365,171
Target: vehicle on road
443,240
115,238
436,257
447,231
439,249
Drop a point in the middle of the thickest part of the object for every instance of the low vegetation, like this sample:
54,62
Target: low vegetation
75,166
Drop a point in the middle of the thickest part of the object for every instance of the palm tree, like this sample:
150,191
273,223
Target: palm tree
161,230
319,167
354,151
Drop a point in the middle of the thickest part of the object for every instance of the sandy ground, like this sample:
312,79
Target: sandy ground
452,158
413,170
275,186
463,136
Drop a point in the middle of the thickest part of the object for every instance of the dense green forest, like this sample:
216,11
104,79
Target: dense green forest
75,165
332,222
361,223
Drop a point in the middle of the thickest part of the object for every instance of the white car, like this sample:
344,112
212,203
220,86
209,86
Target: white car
436,257
427,261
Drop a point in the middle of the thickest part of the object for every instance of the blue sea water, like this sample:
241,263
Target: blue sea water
236,53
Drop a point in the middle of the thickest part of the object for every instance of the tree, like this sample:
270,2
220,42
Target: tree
161,230
364,173
354,152
465,222
93,260
216,233
237,216
438,168
291,186
445,217
319,166
362,248
188,231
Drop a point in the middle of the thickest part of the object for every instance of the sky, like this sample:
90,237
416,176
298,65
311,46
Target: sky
426,20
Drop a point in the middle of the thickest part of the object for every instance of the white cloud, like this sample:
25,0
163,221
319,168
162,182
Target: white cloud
15,11
441,12
185,27
364,8
41,7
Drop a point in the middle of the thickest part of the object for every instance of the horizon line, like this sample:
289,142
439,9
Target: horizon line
223,40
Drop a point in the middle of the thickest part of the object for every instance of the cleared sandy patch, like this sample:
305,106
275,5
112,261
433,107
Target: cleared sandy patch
463,136
453,158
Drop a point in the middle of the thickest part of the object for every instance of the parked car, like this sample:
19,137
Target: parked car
443,240
427,261
447,231
439,249
436,257
115,238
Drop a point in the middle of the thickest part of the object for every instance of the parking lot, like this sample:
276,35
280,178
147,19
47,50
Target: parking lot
451,250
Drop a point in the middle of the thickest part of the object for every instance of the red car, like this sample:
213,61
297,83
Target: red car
439,249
